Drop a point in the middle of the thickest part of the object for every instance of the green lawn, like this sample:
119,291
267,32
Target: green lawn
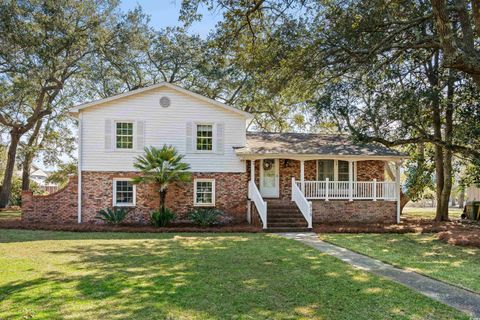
422,253
429,213
52,275
10,214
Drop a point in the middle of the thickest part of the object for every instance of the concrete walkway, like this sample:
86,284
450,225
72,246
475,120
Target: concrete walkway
453,296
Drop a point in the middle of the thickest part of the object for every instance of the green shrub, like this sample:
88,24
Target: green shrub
205,216
112,215
16,195
162,217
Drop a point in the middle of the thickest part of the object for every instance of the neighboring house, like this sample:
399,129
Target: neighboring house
39,176
280,180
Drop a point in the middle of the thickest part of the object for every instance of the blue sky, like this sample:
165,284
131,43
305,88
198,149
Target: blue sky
164,13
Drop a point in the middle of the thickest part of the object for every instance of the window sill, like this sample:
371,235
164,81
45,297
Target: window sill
125,205
204,205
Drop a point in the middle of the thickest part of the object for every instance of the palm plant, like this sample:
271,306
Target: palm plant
163,167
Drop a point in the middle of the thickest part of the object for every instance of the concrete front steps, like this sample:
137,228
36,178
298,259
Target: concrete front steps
284,216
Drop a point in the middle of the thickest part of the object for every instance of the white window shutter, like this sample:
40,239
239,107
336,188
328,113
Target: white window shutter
108,135
220,138
140,138
189,137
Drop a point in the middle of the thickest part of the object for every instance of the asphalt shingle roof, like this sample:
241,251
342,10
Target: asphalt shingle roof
311,143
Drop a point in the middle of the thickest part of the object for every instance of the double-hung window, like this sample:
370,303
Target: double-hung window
334,170
124,193
343,172
204,193
204,137
124,135
326,170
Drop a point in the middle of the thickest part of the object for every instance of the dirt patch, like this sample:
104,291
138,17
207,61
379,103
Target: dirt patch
183,227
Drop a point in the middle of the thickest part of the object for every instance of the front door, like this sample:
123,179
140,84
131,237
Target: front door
269,181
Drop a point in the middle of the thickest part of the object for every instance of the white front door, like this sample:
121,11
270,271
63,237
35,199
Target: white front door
269,180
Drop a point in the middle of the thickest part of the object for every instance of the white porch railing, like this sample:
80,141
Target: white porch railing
360,190
302,203
260,204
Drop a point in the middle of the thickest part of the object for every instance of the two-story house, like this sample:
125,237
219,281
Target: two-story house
278,179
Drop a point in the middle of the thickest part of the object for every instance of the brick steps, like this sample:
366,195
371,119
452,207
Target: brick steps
284,216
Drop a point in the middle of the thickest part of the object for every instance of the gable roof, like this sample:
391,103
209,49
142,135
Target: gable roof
268,143
76,109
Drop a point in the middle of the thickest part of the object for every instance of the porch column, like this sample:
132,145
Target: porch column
252,170
302,175
350,180
397,189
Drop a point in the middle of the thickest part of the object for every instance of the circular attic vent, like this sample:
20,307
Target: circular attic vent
165,102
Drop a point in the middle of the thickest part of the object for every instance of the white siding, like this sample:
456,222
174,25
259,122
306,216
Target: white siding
162,126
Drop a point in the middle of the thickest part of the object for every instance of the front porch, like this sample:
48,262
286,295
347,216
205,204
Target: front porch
323,190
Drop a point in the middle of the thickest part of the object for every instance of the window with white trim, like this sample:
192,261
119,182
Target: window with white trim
343,170
124,193
204,137
204,193
334,170
325,169
124,135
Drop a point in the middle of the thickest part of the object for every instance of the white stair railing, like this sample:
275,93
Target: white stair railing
260,204
302,203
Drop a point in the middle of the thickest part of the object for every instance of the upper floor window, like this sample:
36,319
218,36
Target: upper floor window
204,141
124,135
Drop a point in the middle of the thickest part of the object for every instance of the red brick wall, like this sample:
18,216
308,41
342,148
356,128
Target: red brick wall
58,207
370,169
287,169
354,211
230,195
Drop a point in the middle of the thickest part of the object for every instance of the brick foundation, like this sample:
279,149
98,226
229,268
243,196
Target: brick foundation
58,207
336,211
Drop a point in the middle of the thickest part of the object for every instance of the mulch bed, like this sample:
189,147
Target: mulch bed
183,227
454,232
470,238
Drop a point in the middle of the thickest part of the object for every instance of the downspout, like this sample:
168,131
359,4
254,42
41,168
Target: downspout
79,187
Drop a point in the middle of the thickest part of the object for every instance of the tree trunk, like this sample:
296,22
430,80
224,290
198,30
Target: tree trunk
29,155
9,169
163,195
27,164
447,153
404,199
461,197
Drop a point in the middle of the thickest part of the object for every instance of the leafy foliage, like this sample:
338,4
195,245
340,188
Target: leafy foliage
16,195
113,216
163,167
162,217
205,216
61,175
